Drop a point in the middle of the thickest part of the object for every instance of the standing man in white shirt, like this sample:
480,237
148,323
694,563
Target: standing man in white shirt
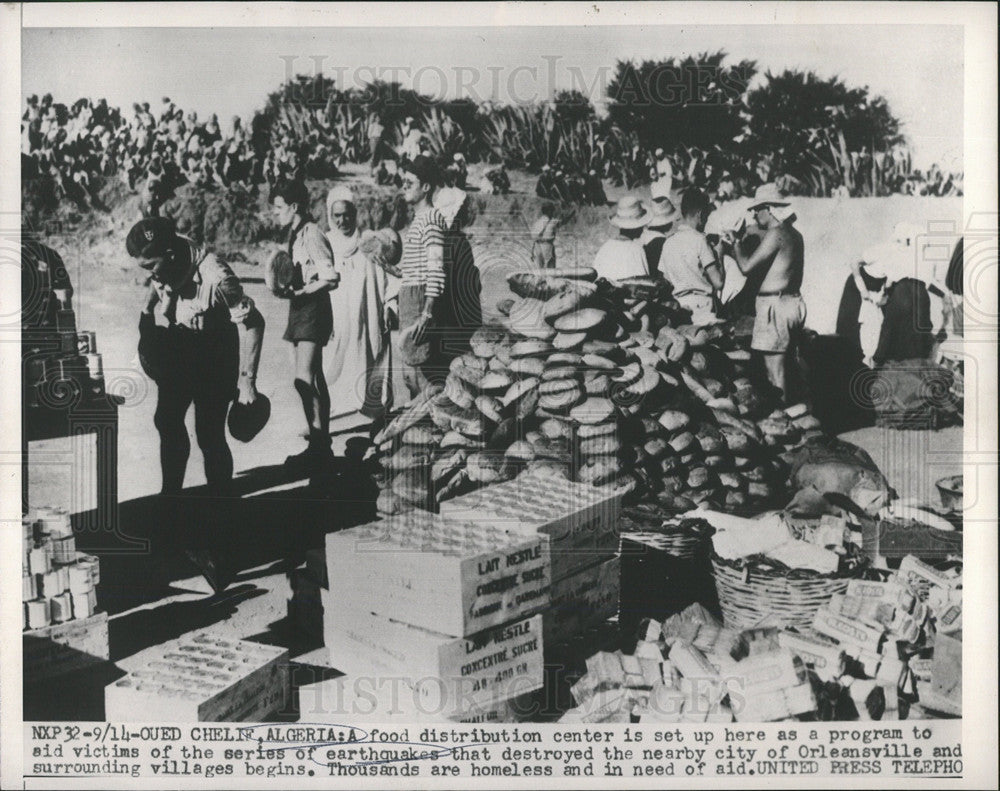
689,262
623,256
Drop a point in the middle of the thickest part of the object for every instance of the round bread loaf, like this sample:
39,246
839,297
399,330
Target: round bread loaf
556,386
562,401
598,362
560,372
519,389
568,340
593,410
600,446
527,366
580,320
495,381
589,431
564,358
597,384
484,341
530,348
553,429
627,374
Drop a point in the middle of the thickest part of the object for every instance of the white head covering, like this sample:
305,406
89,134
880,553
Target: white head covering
449,202
339,193
343,246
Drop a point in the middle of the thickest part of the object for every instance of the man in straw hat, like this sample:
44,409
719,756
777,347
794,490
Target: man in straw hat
689,262
622,256
781,312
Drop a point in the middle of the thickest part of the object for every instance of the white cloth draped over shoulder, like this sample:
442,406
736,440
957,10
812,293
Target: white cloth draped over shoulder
357,363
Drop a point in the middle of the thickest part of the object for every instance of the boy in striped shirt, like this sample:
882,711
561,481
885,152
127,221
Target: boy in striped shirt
423,326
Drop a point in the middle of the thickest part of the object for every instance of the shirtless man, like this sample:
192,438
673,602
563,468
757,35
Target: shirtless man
781,312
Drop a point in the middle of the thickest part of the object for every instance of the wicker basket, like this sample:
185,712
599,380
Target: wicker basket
757,594
685,539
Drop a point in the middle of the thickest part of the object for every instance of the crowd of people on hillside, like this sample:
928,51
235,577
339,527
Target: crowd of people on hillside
154,151
74,149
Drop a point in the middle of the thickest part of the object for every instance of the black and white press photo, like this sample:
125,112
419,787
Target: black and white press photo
500,391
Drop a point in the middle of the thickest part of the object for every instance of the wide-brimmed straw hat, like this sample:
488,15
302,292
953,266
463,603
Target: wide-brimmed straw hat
630,213
663,212
767,195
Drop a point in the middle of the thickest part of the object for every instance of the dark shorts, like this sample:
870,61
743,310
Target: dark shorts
310,318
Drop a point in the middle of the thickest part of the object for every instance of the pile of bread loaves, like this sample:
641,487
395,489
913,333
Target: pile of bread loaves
601,383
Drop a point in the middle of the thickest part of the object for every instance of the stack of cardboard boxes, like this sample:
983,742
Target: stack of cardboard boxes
441,610
879,644
452,616
581,524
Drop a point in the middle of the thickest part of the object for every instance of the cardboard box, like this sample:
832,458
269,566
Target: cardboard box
453,577
848,632
449,675
61,648
823,656
582,600
202,678
764,673
580,521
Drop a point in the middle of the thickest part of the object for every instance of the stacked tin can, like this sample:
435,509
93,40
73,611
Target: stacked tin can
61,363
52,376
58,584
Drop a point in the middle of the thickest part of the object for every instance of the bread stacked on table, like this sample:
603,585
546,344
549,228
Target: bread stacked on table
601,383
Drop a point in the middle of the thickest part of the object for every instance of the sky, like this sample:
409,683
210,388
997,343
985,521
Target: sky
229,71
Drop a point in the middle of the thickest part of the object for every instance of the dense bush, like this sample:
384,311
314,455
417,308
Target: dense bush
814,136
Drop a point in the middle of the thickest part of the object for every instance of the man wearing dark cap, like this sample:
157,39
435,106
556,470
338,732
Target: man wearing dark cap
200,340
208,336
422,322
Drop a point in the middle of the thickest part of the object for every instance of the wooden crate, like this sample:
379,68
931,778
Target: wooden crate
62,648
449,576
580,521
445,675
202,678
582,600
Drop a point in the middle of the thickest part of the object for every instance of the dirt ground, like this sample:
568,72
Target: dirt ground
153,597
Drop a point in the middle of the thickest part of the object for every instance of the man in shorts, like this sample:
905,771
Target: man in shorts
781,312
